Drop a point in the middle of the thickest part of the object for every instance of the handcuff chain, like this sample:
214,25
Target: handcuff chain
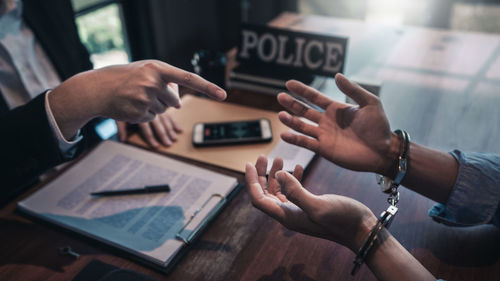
393,198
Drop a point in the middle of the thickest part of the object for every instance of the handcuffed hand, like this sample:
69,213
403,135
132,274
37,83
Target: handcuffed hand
354,137
333,217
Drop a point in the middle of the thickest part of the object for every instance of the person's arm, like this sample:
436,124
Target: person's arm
431,173
475,197
28,146
389,260
134,93
333,217
359,138
68,148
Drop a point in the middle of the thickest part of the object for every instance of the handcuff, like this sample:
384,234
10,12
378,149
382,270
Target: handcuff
384,220
389,186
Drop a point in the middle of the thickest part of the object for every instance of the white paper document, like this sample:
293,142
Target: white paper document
151,226
292,155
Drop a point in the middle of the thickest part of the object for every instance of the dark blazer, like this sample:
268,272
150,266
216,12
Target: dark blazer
27,144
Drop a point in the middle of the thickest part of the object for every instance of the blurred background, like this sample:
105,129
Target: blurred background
119,31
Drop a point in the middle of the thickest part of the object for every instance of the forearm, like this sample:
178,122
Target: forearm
389,260
73,104
430,172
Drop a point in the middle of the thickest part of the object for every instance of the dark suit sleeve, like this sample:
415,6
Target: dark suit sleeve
28,146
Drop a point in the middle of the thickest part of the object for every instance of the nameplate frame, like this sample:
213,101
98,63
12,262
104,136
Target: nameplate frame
287,51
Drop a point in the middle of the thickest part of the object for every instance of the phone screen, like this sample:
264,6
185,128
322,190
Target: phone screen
234,130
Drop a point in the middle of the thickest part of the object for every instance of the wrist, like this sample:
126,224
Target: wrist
389,260
364,229
71,107
389,167
382,224
83,90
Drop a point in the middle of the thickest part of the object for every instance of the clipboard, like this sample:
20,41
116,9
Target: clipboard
102,220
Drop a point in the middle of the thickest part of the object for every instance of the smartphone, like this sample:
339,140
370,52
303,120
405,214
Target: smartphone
237,132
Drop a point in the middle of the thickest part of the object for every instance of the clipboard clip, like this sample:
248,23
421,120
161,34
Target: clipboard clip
187,236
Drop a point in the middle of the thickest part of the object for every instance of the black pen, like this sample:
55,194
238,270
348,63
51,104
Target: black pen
146,189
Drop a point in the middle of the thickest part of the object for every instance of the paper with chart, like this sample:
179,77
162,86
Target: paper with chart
143,224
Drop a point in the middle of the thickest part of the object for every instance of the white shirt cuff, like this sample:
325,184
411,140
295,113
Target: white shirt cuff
64,145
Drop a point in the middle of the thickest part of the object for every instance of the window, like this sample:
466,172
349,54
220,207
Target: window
469,15
101,28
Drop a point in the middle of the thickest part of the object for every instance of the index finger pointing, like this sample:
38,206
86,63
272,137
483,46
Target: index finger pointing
173,74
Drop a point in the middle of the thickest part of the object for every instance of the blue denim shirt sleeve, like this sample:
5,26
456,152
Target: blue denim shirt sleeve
475,197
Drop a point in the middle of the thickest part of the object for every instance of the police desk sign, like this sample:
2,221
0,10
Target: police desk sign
288,51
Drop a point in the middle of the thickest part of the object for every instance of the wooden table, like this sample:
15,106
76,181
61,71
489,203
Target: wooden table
441,86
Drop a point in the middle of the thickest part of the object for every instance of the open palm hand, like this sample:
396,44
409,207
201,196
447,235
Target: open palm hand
355,137
333,217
